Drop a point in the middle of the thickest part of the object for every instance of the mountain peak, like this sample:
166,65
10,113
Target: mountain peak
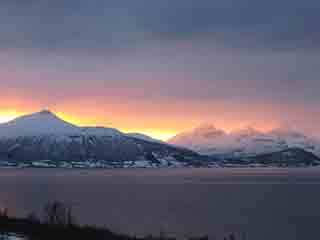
40,123
43,115
46,112
45,123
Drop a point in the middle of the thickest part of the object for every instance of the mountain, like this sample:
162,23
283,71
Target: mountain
144,137
289,157
43,139
297,139
41,123
205,139
248,142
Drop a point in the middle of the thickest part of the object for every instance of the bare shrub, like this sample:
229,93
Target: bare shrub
59,214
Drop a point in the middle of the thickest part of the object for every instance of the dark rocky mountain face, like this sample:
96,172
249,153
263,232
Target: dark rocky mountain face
288,157
106,150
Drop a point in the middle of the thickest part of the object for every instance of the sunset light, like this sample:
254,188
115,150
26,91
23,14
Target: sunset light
150,126
198,120
93,121
8,116
157,134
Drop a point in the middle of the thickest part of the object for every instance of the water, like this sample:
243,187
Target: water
261,203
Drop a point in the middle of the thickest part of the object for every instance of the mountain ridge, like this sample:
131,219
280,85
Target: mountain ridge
43,139
244,142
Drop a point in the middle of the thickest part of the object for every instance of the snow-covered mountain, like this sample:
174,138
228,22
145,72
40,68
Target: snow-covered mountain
43,139
209,140
144,137
45,123
41,123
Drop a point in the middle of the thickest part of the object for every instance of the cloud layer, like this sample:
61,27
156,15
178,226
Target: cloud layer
235,62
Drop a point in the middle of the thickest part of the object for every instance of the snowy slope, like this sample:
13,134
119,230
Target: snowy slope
41,123
209,140
101,131
47,123
143,137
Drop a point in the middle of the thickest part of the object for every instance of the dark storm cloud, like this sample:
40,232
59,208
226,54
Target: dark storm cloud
125,23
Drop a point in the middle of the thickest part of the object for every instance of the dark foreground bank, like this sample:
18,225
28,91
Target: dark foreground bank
58,223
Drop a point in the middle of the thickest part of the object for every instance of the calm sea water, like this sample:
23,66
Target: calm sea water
262,203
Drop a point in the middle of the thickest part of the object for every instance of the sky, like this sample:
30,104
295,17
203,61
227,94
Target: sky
162,67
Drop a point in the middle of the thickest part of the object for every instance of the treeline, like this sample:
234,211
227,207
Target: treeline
58,223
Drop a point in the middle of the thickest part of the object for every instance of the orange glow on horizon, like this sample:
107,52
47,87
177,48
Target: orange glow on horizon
8,115
159,134
162,129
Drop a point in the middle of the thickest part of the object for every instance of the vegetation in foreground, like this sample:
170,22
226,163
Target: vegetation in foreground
59,224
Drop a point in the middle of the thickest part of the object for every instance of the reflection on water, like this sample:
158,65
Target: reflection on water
263,203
